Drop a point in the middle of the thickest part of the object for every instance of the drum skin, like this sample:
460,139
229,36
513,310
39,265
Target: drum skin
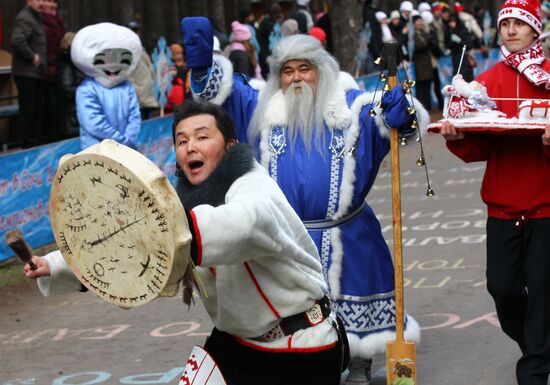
119,224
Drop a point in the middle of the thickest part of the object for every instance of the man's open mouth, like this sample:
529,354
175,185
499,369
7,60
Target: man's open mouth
196,164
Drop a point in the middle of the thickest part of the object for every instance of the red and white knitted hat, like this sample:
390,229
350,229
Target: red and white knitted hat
528,11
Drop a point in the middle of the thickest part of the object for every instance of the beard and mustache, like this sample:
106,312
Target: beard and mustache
303,118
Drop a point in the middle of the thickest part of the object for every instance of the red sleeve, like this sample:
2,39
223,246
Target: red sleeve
546,151
473,148
196,243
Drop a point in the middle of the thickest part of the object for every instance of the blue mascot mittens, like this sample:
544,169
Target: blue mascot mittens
395,106
198,39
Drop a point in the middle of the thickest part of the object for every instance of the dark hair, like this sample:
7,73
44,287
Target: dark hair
192,107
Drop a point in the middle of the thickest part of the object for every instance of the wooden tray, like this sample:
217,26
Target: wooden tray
505,126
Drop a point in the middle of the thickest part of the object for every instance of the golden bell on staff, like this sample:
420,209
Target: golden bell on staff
387,87
383,77
420,161
372,113
430,192
378,61
411,110
414,124
403,141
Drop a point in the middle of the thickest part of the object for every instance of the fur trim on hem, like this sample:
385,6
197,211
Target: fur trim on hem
373,344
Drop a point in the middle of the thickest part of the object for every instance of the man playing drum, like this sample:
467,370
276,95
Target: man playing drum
262,281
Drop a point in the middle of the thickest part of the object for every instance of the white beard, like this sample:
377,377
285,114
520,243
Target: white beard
302,116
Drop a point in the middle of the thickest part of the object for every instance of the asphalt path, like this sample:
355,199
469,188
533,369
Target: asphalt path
77,339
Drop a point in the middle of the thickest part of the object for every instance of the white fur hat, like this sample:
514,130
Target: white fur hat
301,47
406,6
424,7
395,14
380,16
427,16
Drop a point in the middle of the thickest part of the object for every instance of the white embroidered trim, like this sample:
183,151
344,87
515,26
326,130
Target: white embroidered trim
226,81
335,271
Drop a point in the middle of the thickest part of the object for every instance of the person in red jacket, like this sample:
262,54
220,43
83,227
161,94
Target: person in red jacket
176,96
516,189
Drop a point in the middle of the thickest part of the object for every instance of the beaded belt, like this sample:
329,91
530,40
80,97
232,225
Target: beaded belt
290,325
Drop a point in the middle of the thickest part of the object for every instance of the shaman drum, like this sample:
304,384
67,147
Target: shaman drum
119,224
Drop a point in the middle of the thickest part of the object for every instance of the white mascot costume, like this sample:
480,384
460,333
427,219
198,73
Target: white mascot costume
106,102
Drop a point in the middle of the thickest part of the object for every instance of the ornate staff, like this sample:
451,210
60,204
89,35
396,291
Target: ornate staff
400,354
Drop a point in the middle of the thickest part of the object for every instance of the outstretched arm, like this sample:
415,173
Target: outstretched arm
53,274
42,268
198,39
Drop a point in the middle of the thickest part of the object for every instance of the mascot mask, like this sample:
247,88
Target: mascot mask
107,52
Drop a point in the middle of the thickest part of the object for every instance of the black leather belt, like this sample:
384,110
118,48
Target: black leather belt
290,325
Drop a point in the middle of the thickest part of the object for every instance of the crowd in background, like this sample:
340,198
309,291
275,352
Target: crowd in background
424,34
47,79
46,85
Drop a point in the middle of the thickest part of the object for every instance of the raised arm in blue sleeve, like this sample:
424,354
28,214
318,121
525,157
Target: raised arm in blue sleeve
395,106
198,40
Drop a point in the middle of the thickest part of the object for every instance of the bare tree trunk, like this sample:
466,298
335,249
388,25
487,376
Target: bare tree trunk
231,12
198,8
216,10
124,10
172,19
345,17
153,22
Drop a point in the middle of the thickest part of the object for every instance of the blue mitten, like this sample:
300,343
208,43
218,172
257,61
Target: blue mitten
395,106
198,39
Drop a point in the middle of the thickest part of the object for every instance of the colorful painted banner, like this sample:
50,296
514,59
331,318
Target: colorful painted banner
25,180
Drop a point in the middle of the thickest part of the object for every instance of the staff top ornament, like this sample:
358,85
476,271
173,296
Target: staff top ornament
119,224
